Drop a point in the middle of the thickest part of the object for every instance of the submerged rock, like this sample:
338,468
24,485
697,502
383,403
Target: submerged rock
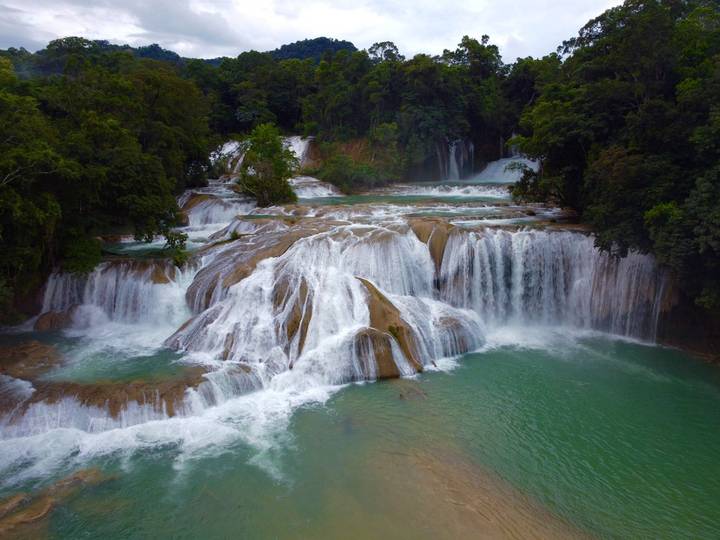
28,360
24,510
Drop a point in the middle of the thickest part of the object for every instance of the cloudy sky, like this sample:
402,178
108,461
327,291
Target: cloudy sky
210,28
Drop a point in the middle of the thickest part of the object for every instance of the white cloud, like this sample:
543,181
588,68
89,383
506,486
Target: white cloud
207,28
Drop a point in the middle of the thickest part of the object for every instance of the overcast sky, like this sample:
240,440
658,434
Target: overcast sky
210,28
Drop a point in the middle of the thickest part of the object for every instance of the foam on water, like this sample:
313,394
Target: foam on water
307,187
498,172
449,190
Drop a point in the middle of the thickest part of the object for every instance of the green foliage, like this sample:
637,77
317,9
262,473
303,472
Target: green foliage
349,174
175,247
80,253
103,144
267,166
313,49
364,163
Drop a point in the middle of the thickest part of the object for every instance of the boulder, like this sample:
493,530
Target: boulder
385,317
53,320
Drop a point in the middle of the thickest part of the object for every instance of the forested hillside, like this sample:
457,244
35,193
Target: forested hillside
625,119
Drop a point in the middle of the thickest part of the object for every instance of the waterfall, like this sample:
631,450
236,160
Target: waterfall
457,161
307,187
304,307
129,291
299,146
498,172
551,278
307,308
216,204
454,161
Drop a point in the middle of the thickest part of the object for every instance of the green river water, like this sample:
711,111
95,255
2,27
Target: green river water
611,438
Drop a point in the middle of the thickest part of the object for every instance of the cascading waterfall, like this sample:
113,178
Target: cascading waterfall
300,147
290,308
504,171
147,292
552,278
216,204
307,187
306,309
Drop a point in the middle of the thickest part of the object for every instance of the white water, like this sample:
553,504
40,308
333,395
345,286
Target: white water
456,161
497,172
307,187
300,147
447,190
552,279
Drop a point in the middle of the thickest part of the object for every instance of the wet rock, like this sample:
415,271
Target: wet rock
194,199
385,317
235,261
183,220
28,360
22,510
54,320
434,233
379,343
164,395
162,272
298,307
410,390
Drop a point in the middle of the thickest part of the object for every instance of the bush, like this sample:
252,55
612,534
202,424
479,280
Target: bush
348,174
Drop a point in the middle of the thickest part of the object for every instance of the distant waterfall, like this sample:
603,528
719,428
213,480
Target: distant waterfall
232,153
300,146
215,204
456,159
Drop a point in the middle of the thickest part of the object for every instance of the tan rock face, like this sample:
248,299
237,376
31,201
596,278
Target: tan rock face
380,345
299,308
163,395
195,199
30,360
434,233
385,317
238,259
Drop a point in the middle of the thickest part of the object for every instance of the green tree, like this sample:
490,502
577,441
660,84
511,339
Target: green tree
267,166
